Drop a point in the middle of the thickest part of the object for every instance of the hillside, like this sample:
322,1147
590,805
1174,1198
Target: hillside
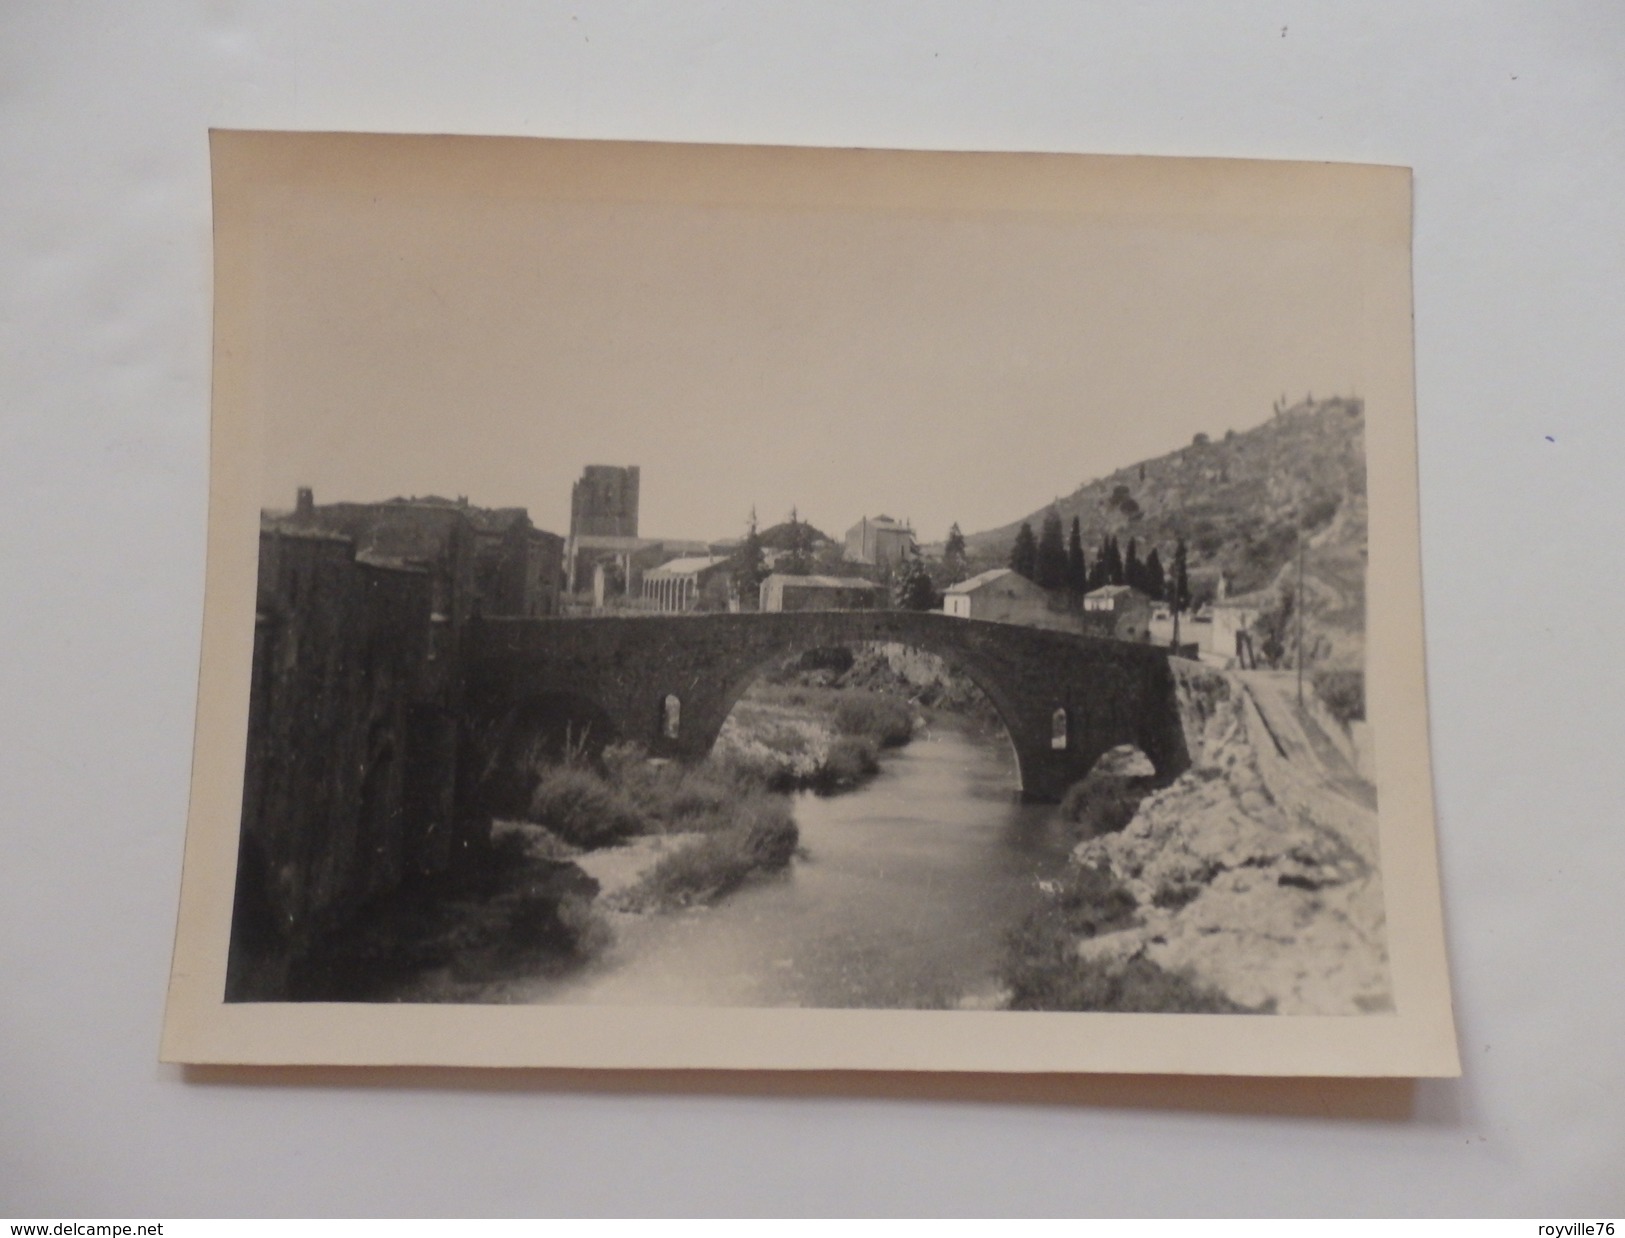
1238,501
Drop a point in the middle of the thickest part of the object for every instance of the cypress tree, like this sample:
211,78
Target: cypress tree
1154,582
798,560
1024,554
749,569
914,589
1077,571
954,555
1178,586
1133,572
1100,569
1114,562
1050,568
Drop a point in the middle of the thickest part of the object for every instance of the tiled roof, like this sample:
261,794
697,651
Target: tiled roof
823,582
980,579
683,567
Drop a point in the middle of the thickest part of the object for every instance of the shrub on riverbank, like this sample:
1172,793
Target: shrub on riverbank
631,795
1343,693
579,807
824,739
743,828
768,750
1099,806
671,797
762,838
1107,798
1138,986
851,759
886,720
1044,971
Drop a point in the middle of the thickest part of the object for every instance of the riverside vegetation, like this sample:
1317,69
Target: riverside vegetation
1235,888
1044,968
658,836
579,838
719,822
1248,884
727,819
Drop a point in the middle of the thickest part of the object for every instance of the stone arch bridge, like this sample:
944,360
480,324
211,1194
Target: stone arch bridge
624,669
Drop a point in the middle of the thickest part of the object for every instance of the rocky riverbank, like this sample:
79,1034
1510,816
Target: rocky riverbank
1250,883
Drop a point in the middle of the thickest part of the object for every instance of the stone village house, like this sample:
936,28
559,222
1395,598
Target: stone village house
784,592
1003,595
1121,611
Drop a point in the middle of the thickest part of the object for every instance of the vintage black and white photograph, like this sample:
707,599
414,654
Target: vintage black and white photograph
811,581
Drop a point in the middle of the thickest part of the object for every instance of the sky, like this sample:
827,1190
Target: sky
932,362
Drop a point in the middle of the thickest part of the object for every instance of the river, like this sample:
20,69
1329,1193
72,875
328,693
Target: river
902,899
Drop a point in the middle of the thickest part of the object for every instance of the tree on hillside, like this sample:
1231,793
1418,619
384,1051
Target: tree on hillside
1077,570
1178,586
797,559
1154,581
914,590
1133,572
749,567
1274,629
954,555
1098,570
1050,568
1024,554
1114,562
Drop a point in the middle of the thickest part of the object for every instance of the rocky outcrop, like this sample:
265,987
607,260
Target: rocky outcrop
1251,875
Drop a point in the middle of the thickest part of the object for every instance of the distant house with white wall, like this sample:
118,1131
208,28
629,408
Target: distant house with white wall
784,592
879,541
1128,609
699,583
1001,595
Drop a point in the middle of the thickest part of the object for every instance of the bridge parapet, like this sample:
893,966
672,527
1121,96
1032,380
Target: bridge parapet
624,669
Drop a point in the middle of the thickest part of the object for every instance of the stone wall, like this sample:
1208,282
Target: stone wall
518,570
351,767
1113,692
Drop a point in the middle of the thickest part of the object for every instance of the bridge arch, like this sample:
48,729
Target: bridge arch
1005,707
1112,692
515,734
